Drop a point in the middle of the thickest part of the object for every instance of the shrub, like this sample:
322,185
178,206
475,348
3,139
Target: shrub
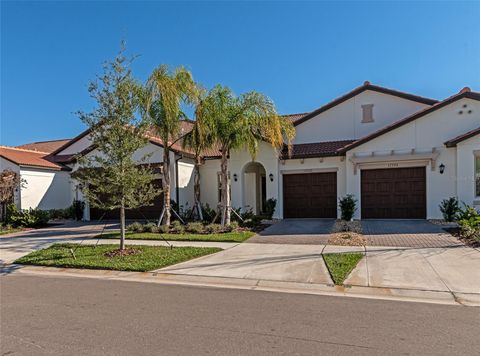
135,227
213,228
77,209
194,228
449,208
469,222
150,227
232,227
270,205
348,206
208,213
27,218
177,227
163,229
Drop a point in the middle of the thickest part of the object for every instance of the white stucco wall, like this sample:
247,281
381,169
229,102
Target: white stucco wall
45,189
344,121
209,182
423,134
77,146
185,182
466,152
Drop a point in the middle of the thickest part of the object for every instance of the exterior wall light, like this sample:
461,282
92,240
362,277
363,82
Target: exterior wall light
271,177
235,177
441,168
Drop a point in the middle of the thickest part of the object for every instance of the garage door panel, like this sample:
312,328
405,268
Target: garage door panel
393,193
311,195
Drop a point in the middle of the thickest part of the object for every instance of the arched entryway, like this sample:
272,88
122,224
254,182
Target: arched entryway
254,187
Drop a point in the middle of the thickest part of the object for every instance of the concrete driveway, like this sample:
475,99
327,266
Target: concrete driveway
296,231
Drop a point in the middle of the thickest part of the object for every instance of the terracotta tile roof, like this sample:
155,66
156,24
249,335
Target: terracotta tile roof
464,93
453,142
316,149
294,117
366,86
24,157
45,146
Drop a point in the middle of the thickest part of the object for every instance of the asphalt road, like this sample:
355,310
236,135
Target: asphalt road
77,316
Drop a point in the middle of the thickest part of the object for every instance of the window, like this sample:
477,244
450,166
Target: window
367,113
477,176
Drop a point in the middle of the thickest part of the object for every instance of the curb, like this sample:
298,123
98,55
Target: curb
379,293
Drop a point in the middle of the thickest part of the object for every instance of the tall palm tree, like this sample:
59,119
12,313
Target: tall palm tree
198,140
243,121
166,92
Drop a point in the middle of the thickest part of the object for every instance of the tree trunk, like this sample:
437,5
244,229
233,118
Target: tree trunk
122,226
166,186
225,192
196,188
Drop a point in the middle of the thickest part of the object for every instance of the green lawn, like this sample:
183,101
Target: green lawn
341,264
89,256
236,236
4,231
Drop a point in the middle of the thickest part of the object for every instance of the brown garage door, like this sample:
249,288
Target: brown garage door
310,195
145,212
394,193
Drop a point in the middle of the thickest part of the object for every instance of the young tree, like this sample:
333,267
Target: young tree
242,122
10,182
112,178
198,140
166,92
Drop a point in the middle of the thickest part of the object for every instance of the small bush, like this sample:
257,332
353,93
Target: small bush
450,209
348,206
469,222
177,227
208,213
150,227
213,228
163,229
135,227
270,205
77,209
26,218
232,227
194,228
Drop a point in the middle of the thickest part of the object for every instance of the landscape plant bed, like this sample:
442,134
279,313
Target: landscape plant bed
234,236
144,258
456,232
341,264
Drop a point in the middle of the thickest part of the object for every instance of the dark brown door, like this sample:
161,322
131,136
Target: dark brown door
312,195
394,193
145,212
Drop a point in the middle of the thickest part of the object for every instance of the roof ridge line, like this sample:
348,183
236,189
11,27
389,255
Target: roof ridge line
23,149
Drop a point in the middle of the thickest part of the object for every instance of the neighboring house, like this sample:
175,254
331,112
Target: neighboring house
399,154
46,184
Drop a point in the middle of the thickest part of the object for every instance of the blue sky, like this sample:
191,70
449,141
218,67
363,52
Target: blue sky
301,54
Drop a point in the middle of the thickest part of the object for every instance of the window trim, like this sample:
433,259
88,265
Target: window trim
476,173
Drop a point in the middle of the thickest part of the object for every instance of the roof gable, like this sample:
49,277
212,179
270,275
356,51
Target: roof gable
366,86
453,142
464,93
23,157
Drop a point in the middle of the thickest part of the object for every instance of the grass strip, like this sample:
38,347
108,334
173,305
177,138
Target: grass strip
341,264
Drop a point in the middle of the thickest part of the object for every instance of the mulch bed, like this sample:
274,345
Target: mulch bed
124,252
455,231
347,239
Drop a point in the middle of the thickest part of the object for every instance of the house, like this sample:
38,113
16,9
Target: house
399,154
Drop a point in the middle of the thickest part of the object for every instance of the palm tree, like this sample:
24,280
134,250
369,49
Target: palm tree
198,140
166,92
239,122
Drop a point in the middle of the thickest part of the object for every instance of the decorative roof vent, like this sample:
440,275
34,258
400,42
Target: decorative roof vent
367,113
